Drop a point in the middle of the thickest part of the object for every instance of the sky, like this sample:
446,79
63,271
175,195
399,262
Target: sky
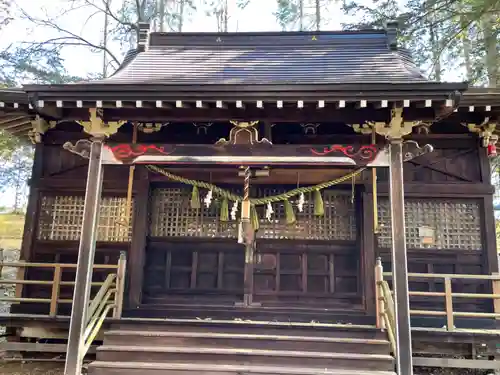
257,16
80,61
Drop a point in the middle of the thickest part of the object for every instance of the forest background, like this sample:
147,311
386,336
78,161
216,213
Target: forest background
60,41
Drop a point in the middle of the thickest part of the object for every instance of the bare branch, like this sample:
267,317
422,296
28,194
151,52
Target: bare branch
70,35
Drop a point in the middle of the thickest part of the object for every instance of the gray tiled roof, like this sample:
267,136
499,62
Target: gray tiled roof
268,58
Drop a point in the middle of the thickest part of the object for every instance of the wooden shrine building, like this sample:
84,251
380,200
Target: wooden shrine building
236,201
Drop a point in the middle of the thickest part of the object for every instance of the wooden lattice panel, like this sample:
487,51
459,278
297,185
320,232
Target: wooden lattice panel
172,216
338,222
443,224
61,219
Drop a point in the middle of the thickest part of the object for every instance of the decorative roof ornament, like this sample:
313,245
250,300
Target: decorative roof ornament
202,126
151,127
80,148
396,128
310,128
97,127
243,133
486,131
39,127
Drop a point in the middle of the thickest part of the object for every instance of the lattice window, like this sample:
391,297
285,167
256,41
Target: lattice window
444,224
338,223
172,216
61,219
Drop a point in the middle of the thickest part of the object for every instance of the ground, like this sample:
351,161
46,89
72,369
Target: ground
16,368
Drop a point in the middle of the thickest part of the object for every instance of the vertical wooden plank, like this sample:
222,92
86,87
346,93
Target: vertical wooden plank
331,272
304,273
489,236
120,285
496,290
368,248
220,270
21,273
278,272
449,304
484,165
168,269
33,208
431,284
1,262
194,270
379,305
137,252
55,290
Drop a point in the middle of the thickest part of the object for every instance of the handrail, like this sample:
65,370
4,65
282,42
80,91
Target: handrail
384,292
54,301
385,306
109,297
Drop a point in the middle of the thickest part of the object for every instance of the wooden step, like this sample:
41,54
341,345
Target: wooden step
175,368
238,356
248,341
255,327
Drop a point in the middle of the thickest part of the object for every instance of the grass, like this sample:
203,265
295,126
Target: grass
11,230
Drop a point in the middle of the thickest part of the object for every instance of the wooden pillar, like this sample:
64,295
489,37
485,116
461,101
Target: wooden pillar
404,363
368,256
137,254
86,251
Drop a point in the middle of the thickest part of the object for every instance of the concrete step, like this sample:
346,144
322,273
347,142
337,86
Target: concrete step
248,341
239,356
175,368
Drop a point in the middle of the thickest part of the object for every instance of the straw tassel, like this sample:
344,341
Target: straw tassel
254,217
195,198
319,208
289,214
224,210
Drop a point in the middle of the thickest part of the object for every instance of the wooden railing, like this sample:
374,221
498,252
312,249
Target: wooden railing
111,289
385,304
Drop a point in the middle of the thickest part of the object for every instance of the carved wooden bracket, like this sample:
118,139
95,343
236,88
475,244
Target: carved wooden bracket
243,133
397,127
485,131
150,127
81,147
97,127
39,127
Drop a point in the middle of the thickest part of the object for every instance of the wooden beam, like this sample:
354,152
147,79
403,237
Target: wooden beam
457,363
251,113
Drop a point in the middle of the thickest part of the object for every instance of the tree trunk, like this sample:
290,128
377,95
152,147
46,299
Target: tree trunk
105,44
161,15
434,43
492,58
182,4
226,17
301,15
318,15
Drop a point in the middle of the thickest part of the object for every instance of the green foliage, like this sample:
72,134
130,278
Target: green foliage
301,14
442,35
15,172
